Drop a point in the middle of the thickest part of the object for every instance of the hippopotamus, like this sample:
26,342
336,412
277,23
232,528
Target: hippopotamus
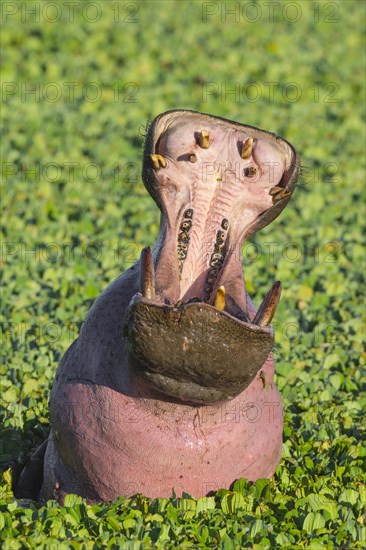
169,387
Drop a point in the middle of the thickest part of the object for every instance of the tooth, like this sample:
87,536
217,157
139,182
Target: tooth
247,148
219,299
204,139
158,161
275,190
278,193
147,274
269,305
279,198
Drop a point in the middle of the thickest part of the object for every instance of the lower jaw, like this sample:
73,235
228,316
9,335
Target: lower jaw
194,353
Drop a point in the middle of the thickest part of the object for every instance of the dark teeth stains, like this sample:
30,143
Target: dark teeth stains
220,236
182,254
183,237
217,259
211,278
219,247
250,171
186,225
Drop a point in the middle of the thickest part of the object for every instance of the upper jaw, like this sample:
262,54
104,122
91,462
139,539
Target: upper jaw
190,333
197,168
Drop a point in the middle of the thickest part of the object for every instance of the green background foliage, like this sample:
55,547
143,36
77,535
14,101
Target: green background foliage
75,215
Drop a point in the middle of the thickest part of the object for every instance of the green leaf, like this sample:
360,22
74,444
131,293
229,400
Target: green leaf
313,522
2,521
232,502
114,523
336,380
330,360
10,396
205,503
349,496
30,385
72,500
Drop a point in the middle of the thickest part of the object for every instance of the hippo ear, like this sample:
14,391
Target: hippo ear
153,160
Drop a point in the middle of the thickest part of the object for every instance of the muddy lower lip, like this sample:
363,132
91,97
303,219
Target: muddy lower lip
193,352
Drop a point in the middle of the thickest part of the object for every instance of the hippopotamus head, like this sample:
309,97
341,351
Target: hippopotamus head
190,331
135,405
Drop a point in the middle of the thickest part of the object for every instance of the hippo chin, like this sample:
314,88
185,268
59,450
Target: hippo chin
170,382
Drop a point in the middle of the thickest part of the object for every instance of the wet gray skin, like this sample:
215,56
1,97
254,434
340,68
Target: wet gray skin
178,326
190,333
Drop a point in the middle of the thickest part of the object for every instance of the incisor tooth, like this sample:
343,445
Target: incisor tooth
269,305
147,274
158,161
219,299
247,148
204,140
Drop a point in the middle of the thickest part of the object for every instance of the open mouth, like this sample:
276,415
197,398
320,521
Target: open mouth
216,182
